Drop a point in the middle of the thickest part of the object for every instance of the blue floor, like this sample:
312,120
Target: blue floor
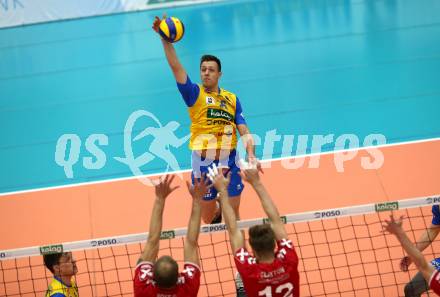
300,67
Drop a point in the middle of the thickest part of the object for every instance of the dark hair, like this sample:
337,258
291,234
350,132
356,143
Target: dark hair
262,239
51,260
205,58
166,272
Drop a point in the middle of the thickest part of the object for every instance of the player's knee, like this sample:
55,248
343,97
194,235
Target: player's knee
208,216
207,219
209,211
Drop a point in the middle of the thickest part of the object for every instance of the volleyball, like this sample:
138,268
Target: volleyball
171,29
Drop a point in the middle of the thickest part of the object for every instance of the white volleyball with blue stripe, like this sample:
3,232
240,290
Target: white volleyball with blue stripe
171,29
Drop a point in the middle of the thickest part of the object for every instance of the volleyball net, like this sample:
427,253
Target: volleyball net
342,252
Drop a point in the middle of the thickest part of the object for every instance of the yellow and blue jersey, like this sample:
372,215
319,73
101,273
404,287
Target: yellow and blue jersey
58,289
214,116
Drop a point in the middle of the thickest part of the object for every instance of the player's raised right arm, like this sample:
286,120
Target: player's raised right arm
171,55
151,249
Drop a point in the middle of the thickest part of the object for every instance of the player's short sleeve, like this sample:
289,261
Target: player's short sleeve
143,279
191,273
286,251
189,91
239,117
434,282
243,260
435,215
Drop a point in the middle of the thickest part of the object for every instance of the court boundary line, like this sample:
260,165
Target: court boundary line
309,216
18,192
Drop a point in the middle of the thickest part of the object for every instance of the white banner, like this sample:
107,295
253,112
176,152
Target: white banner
24,12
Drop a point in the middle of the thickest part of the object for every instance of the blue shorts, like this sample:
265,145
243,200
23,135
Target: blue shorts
200,166
436,263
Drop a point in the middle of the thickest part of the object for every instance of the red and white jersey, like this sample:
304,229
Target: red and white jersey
434,282
277,279
187,285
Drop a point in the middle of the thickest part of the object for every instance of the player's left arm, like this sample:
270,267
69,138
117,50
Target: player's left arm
191,243
248,140
151,248
246,136
394,226
252,177
221,183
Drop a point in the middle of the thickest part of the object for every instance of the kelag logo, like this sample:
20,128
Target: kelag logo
167,234
387,206
51,249
283,219
219,114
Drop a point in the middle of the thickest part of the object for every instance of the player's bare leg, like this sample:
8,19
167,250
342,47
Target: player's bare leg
235,203
209,210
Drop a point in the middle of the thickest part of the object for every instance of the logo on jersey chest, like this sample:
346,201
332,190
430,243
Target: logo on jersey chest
219,114
210,100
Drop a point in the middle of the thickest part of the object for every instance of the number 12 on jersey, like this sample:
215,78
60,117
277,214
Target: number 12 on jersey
286,288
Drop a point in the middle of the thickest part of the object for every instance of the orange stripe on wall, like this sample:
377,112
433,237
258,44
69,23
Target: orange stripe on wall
123,207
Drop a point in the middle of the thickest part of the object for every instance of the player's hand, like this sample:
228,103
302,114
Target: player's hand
404,263
393,226
164,189
253,161
200,187
156,23
217,178
249,172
